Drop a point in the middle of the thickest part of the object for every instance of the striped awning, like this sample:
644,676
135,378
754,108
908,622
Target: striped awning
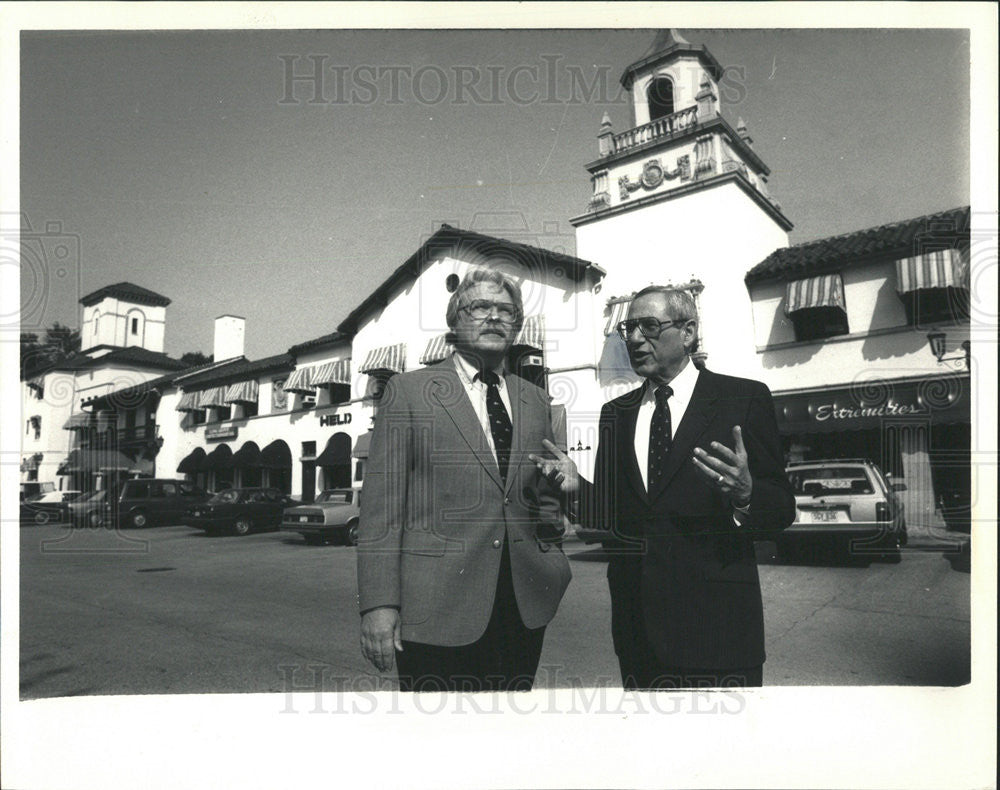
78,422
242,392
618,310
338,372
213,396
437,349
300,380
188,402
827,290
392,358
532,333
937,269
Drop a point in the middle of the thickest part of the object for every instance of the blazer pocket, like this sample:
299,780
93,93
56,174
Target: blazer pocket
424,551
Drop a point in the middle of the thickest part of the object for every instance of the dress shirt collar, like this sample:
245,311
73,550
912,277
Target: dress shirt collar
467,371
682,385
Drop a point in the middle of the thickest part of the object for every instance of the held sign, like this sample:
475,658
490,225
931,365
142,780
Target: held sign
335,419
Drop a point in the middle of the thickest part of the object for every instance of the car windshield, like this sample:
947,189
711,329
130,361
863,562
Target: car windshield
830,480
76,497
229,496
340,497
92,497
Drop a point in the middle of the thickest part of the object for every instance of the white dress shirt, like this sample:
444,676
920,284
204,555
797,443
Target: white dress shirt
476,390
683,386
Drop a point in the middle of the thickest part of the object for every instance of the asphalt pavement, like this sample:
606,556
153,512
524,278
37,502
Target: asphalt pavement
170,610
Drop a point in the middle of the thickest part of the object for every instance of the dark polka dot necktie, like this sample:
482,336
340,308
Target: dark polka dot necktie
500,425
660,434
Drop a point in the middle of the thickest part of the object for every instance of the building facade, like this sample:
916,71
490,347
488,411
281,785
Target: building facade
863,339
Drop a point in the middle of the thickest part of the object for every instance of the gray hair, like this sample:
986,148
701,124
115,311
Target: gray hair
474,277
680,306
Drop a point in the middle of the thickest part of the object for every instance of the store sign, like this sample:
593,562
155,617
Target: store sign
217,432
832,411
335,419
872,404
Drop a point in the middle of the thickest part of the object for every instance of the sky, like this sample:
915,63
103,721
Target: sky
183,162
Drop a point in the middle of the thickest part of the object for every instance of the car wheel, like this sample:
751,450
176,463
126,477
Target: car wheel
351,536
139,519
41,517
94,519
243,525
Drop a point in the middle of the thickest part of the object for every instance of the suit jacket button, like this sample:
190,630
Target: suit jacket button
497,544
506,500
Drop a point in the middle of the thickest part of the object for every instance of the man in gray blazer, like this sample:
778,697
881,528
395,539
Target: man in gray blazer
457,572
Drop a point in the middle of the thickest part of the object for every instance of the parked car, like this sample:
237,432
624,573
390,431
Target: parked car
148,501
847,499
31,488
51,506
240,510
955,506
332,517
90,510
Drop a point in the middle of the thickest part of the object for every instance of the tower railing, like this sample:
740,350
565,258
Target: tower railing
667,126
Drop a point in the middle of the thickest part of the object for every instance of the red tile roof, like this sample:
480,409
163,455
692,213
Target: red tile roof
897,239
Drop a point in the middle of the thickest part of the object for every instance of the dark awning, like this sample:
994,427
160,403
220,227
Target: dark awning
220,458
79,421
337,451
248,455
276,455
95,462
362,445
192,462
937,401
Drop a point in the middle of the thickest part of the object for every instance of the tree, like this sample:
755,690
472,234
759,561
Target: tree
193,358
60,344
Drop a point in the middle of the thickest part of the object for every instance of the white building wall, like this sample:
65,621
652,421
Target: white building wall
714,235
109,323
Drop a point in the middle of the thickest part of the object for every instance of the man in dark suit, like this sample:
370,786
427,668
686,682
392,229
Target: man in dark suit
457,573
689,470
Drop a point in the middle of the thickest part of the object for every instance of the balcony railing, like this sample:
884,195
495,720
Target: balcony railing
667,126
137,434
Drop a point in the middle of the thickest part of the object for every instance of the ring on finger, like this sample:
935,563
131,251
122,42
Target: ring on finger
721,479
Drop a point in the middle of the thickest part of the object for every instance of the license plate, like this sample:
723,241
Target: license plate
303,519
823,516
197,513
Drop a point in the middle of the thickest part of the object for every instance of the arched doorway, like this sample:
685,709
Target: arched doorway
335,462
660,98
247,461
276,458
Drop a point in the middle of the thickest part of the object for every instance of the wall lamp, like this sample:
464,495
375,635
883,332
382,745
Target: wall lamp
937,342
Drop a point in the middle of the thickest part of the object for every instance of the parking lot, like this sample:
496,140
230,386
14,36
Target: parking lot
172,610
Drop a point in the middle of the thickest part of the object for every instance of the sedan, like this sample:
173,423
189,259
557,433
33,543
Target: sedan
332,517
240,511
90,510
43,508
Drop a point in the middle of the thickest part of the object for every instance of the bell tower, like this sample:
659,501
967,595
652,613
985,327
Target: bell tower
681,198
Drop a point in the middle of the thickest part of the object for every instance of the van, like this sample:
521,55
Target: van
145,502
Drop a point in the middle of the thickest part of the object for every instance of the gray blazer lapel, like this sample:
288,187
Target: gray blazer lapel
448,391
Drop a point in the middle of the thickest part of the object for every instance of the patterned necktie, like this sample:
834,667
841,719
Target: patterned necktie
659,437
500,425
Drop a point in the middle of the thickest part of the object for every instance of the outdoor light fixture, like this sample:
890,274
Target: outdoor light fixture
937,342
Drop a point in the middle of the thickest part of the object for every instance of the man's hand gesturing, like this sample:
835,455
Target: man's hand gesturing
559,469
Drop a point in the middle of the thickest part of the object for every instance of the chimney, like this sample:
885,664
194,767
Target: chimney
228,337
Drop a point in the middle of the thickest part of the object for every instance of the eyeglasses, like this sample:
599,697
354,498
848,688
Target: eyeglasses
481,309
651,328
